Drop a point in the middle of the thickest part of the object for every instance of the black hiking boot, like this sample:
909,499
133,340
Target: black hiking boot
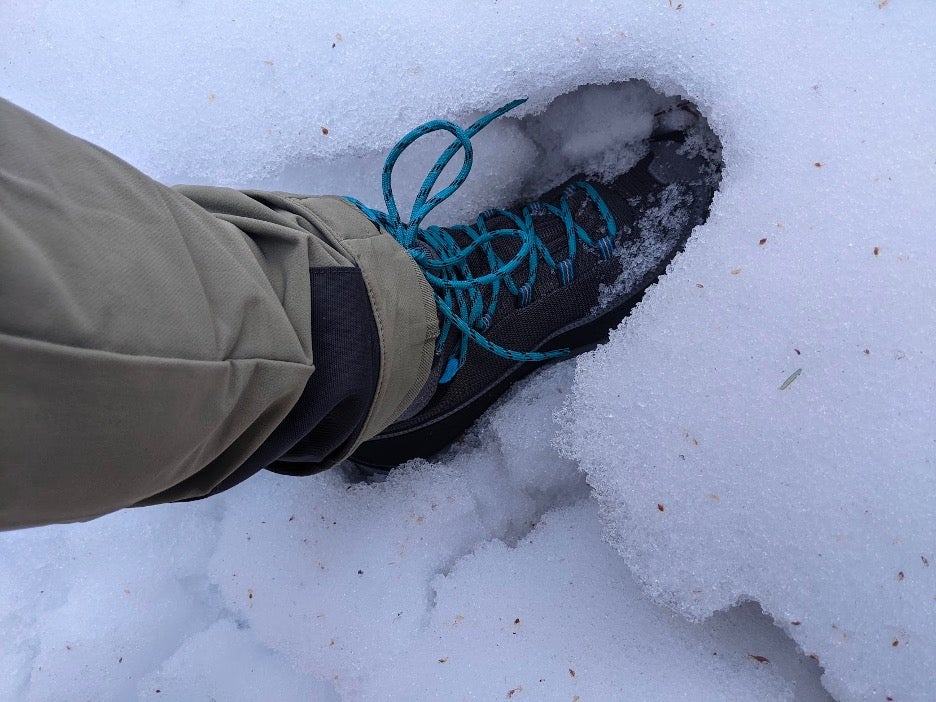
528,285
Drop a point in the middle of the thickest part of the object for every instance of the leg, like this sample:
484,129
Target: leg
153,341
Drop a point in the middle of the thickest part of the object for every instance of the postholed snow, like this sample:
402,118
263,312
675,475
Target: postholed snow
760,430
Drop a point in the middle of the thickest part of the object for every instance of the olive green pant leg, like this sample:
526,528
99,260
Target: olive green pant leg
146,339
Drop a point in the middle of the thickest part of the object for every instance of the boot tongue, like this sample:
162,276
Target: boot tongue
441,360
422,399
550,229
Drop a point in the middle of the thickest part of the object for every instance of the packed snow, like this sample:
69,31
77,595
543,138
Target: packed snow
735,498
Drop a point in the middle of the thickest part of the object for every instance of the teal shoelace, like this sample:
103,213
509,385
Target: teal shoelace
457,290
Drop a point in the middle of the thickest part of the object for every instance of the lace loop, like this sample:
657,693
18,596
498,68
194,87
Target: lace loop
444,261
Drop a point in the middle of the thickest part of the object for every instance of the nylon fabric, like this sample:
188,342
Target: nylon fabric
152,339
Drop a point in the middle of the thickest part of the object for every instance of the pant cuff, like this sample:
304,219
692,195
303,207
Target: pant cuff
402,302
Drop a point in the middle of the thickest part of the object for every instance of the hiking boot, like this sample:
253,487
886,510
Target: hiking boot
535,283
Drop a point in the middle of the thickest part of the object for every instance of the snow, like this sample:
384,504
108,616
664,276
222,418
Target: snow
608,515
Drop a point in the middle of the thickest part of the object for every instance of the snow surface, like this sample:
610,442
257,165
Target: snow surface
669,464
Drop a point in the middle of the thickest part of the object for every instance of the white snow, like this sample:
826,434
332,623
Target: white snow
665,471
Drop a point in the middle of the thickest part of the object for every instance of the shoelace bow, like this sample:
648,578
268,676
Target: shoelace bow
455,286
